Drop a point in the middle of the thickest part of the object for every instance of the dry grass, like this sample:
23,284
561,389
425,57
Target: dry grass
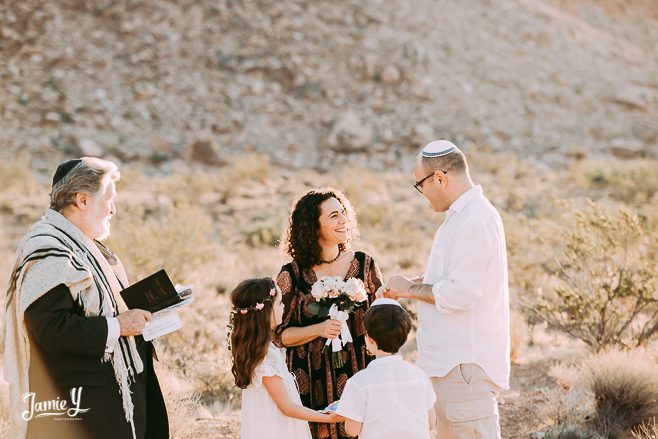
634,181
236,179
625,385
609,396
647,430
174,236
518,335
4,428
182,405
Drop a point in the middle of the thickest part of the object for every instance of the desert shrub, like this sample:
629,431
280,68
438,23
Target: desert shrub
237,178
570,432
625,387
518,335
199,352
526,253
613,394
175,236
263,231
601,284
633,181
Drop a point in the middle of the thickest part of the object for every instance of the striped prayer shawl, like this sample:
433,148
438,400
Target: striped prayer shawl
55,252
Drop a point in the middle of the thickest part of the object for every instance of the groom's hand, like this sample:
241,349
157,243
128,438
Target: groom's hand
397,287
330,329
132,322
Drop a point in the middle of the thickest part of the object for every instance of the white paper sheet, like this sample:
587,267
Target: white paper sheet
161,323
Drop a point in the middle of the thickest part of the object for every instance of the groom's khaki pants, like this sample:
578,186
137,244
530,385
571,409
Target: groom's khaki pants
466,405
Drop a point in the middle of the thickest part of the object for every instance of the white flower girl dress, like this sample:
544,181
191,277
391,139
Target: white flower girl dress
260,417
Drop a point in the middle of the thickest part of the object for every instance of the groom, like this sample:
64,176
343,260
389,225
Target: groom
463,300
75,359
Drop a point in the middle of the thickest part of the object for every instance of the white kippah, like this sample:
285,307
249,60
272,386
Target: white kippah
438,148
385,301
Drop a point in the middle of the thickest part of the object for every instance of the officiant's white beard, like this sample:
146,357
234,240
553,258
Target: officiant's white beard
99,224
105,230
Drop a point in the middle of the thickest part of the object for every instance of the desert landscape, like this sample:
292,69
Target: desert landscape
220,113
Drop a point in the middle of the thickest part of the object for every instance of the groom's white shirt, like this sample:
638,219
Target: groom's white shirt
467,267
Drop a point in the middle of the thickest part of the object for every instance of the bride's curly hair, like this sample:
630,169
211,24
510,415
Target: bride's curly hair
301,239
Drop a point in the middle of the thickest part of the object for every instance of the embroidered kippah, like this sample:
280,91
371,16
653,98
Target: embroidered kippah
438,148
63,170
385,301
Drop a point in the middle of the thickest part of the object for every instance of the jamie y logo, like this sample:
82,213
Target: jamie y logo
53,407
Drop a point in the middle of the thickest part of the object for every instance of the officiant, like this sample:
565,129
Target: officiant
322,225
74,353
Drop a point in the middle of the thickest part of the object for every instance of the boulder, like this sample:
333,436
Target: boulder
391,75
350,133
89,148
204,151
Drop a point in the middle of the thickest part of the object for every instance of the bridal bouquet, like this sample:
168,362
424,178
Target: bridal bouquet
336,298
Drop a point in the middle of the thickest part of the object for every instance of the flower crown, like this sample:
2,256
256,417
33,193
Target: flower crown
236,309
256,307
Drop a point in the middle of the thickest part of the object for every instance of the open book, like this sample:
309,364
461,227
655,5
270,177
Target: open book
158,295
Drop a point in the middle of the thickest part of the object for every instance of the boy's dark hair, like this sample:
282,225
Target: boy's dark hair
388,325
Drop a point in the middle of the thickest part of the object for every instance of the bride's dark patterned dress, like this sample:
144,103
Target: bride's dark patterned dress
319,383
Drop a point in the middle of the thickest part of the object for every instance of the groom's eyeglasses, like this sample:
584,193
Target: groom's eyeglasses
419,184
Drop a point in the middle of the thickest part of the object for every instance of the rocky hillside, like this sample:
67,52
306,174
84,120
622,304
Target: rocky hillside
308,82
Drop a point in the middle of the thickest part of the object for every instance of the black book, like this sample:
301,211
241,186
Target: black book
153,293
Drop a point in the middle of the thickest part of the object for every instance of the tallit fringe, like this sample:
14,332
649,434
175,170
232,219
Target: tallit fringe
123,379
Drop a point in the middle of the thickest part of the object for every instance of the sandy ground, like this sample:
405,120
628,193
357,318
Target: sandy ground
522,408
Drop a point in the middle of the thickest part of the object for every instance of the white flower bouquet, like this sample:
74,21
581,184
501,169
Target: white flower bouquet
336,298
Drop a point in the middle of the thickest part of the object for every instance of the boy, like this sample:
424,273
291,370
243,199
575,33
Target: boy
390,398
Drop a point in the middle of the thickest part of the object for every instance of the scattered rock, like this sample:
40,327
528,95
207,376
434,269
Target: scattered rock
89,148
205,152
422,134
632,97
351,133
280,73
144,90
391,75
161,149
627,148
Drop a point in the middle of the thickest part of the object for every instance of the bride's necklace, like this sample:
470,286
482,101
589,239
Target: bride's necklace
334,259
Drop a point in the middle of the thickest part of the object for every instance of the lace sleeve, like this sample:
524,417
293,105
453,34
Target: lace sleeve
269,367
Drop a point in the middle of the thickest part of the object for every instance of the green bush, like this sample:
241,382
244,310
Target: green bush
600,286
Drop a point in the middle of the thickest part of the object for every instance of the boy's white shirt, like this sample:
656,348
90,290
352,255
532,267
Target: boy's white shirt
390,398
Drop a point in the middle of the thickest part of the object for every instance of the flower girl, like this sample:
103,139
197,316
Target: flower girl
271,406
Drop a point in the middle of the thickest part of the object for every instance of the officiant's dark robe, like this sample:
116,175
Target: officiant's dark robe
66,349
